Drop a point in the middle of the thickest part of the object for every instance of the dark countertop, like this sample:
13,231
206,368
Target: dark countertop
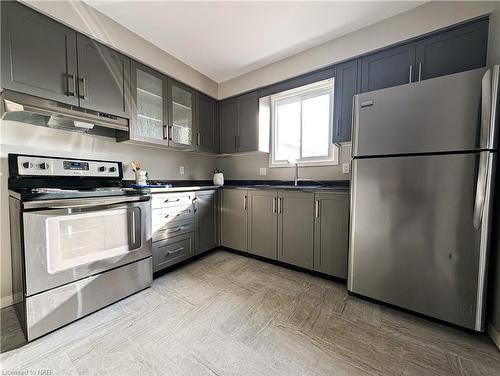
307,185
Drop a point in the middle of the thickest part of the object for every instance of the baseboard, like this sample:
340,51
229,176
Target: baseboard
495,336
6,301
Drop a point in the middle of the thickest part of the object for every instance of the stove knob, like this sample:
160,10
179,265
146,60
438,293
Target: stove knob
44,166
102,169
27,165
112,169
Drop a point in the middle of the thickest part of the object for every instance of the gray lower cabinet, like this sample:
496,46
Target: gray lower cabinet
170,251
234,219
331,233
38,54
205,221
296,228
206,123
103,78
263,223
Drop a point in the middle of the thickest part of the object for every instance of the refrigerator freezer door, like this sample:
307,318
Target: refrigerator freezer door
413,241
436,115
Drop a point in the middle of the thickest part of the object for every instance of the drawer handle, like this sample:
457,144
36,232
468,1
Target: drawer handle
175,250
169,200
168,215
177,229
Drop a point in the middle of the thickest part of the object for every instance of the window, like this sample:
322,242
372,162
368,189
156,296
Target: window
302,125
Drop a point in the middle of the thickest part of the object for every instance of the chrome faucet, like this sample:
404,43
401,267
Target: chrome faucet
296,180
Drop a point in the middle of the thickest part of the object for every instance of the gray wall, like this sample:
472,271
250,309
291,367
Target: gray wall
246,167
494,285
25,138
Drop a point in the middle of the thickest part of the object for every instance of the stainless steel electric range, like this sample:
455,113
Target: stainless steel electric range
79,242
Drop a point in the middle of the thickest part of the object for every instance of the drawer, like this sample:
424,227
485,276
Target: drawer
174,214
166,200
169,229
169,252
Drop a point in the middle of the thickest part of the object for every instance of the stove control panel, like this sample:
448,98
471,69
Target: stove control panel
46,166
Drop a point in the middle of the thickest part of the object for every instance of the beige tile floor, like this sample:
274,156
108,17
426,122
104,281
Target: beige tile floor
226,314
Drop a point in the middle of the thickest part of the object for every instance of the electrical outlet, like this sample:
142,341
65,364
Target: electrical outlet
262,171
181,170
345,168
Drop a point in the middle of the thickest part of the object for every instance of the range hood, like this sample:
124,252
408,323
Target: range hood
44,112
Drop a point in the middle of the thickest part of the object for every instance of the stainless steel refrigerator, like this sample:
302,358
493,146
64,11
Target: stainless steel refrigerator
423,173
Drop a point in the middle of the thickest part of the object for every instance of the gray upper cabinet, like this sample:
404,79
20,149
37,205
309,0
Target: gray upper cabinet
205,221
103,78
346,81
38,54
149,115
248,123
181,114
263,223
453,51
234,219
239,124
391,67
228,115
206,123
331,233
296,228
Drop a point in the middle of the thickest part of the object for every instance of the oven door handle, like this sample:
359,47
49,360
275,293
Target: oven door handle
75,203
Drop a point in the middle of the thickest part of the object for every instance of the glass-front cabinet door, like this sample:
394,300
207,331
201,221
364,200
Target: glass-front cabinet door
149,122
181,111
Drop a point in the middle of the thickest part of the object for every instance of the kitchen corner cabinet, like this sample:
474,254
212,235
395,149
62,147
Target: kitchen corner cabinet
331,233
206,135
454,51
263,223
234,219
149,117
205,221
180,115
38,55
346,82
239,124
296,228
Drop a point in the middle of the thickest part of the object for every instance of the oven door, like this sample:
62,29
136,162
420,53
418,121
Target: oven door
63,244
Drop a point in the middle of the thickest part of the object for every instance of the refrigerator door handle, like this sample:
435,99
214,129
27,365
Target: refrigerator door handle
486,108
482,178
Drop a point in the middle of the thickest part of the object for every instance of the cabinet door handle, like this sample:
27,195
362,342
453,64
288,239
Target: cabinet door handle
71,78
165,131
82,88
170,128
419,71
175,250
245,202
411,73
280,205
316,209
274,204
198,138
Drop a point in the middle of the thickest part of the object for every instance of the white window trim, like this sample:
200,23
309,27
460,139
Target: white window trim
326,86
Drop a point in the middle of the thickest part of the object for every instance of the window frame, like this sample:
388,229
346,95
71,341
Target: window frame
300,94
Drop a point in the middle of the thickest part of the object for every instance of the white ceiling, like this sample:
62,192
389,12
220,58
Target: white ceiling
226,39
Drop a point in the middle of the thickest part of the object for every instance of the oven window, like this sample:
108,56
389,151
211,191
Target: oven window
79,239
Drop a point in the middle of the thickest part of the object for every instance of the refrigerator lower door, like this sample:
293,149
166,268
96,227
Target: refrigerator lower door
413,240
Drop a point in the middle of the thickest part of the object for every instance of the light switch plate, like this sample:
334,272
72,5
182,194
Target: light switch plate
345,168
262,171
181,170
